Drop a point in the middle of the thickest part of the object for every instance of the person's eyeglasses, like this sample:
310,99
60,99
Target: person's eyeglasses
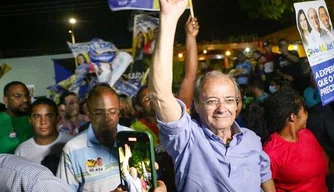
101,113
214,103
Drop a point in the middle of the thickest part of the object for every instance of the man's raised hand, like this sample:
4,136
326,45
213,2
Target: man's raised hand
173,8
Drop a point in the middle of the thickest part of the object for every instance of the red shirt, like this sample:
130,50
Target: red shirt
297,166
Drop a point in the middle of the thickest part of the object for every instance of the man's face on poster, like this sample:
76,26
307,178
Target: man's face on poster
324,17
314,20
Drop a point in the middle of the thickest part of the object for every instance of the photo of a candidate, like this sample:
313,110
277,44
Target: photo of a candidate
135,167
304,27
81,59
319,34
325,20
99,162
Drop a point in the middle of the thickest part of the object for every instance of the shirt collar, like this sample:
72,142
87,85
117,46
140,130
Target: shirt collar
91,138
235,129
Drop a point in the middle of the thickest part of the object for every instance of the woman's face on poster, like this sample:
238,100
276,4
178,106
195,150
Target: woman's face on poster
303,22
81,59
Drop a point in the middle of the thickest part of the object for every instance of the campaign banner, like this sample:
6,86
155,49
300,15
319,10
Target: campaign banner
145,31
148,5
97,61
119,65
96,50
317,34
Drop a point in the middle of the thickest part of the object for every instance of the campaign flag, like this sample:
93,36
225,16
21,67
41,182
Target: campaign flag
317,34
96,50
4,68
148,5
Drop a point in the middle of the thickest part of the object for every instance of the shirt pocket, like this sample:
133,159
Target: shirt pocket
251,173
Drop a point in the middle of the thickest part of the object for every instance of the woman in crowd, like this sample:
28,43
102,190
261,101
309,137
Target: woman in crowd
298,162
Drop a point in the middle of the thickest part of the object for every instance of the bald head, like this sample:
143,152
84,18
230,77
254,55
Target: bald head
133,172
314,20
98,91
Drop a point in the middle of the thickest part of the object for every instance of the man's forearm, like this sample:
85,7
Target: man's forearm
268,186
191,57
186,92
161,73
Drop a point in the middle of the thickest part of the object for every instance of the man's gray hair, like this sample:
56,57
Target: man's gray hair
204,78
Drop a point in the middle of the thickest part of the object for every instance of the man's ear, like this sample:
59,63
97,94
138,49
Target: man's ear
62,107
292,117
196,106
5,100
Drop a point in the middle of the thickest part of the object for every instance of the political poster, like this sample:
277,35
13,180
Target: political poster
317,34
145,33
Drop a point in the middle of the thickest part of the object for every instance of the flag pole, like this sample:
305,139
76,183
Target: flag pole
191,8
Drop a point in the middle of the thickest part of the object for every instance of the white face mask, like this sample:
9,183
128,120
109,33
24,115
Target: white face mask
272,89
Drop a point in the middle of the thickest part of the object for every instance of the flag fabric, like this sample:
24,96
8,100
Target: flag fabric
4,68
148,5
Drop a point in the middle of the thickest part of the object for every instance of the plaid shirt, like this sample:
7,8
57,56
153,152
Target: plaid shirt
19,174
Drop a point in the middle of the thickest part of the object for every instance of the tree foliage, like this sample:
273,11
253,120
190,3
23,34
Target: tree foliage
274,9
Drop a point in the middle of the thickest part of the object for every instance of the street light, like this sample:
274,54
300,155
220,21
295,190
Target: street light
72,22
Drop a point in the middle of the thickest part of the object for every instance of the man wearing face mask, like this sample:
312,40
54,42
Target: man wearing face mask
15,127
275,85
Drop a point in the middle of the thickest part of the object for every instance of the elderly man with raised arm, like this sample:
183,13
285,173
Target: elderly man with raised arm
214,154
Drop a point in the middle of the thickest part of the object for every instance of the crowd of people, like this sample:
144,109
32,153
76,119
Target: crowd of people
259,127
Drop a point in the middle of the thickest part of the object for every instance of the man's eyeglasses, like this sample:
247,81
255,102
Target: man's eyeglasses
214,103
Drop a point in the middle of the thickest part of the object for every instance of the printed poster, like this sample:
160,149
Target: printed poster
317,34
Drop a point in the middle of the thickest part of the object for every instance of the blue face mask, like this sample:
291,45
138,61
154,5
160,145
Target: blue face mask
272,89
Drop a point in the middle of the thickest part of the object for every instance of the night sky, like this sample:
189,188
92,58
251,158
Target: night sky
41,27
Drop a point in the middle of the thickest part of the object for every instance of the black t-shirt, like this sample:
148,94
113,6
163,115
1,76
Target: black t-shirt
321,122
286,66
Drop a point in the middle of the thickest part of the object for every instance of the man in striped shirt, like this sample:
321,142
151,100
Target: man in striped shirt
89,161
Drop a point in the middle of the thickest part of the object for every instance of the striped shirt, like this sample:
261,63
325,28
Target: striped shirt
86,165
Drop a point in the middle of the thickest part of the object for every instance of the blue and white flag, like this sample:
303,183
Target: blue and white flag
148,5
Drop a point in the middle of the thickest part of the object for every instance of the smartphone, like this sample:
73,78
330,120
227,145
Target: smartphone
136,159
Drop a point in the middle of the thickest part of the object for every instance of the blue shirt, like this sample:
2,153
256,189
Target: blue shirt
311,97
204,163
247,67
